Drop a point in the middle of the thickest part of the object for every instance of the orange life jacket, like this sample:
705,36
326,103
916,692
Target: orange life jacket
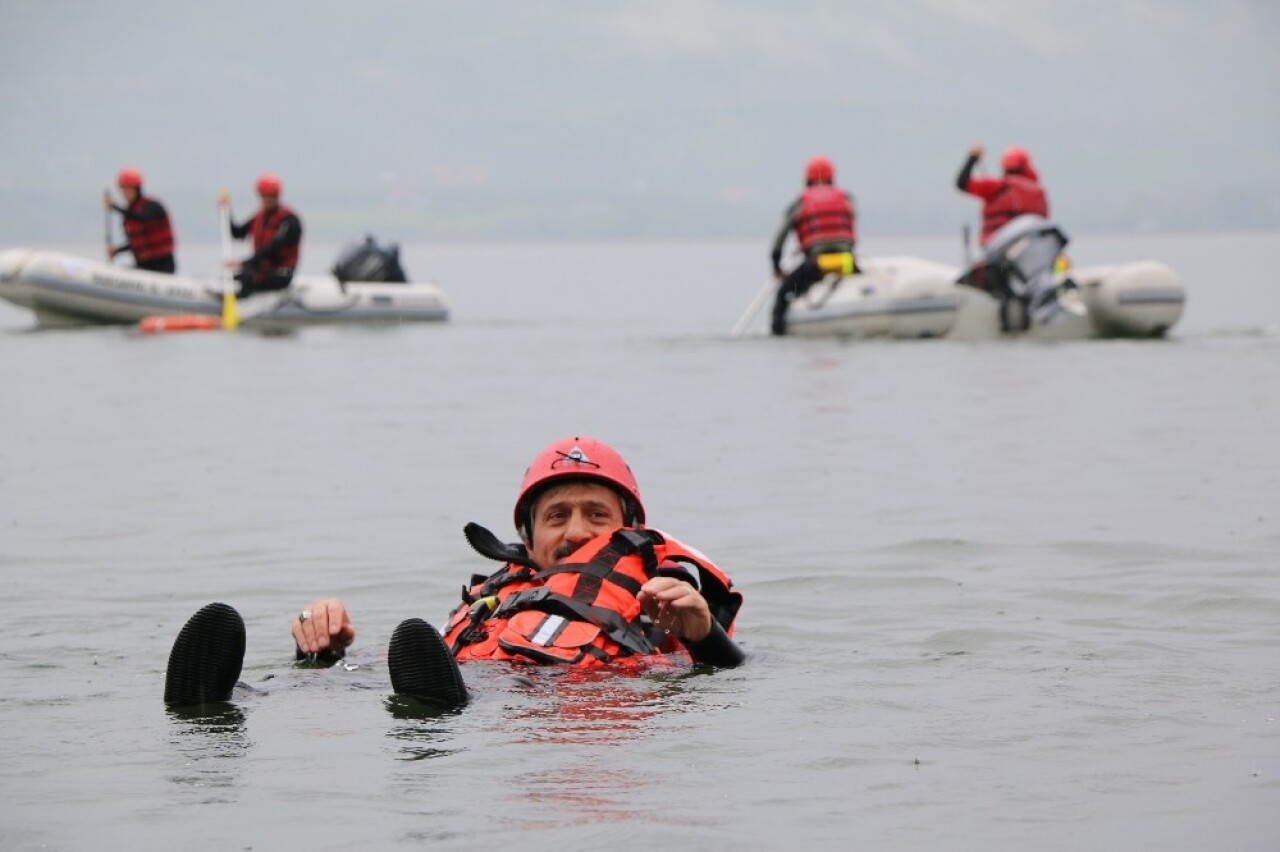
584,612
825,215
149,239
263,228
1019,195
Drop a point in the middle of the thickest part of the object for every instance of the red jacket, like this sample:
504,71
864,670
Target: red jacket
824,214
583,612
262,227
149,238
1006,198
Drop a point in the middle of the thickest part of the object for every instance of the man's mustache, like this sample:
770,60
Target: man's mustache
565,549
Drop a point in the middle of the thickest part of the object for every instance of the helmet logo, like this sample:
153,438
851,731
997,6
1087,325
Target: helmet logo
575,456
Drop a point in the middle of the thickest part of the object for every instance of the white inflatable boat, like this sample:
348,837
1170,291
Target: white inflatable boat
62,289
1012,291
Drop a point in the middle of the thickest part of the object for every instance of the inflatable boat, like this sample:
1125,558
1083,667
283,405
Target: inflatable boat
367,285
1017,288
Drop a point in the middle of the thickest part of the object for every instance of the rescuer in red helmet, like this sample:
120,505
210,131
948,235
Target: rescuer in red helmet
824,220
147,229
1014,193
588,585
276,234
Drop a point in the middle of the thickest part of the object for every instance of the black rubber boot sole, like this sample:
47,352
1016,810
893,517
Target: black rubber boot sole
205,662
423,667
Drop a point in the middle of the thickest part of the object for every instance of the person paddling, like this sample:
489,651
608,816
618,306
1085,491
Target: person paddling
147,229
276,234
587,585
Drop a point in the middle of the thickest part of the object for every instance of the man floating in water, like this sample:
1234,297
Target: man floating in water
588,585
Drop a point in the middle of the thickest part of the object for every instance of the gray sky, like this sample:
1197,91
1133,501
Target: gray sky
442,121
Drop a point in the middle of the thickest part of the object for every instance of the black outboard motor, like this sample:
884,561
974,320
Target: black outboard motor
1017,265
368,261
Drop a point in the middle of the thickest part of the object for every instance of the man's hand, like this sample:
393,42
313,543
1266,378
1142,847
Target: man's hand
676,607
976,152
323,625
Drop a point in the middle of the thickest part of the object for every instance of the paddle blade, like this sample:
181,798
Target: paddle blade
230,316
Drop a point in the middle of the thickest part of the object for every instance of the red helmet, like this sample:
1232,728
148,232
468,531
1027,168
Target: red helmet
268,184
819,170
578,458
129,179
1015,160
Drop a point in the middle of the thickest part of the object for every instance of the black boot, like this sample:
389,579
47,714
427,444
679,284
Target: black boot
206,658
422,666
778,324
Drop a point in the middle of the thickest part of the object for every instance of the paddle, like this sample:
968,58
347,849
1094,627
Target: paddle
230,315
106,223
752,309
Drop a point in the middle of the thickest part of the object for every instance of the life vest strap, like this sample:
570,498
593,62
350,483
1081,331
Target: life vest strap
598,571
610,622
489,546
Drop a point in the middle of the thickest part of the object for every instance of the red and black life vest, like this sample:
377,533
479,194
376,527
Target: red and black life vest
824,215
585,612
1018,196
149,239
262,228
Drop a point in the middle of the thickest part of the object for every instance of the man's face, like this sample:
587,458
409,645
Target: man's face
565,517
269,201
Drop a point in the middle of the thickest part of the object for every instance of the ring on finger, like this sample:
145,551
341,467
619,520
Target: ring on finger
305,615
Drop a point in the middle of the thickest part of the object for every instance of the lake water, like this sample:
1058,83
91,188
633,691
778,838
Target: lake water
999,595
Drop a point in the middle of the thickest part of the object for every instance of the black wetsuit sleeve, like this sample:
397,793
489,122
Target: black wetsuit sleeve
780,237
966,171
327,657
717,649
238,232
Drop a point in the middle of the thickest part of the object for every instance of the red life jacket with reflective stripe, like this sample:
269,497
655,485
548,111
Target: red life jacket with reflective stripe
1019,195
582,613
825,215
149,239
262,228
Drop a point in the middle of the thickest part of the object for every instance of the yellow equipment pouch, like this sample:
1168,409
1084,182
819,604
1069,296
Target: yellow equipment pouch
839,261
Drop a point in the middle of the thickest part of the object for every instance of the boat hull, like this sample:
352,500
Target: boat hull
889,297
62,289
912,298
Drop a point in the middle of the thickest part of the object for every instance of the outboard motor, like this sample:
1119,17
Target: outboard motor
1017,264
368,261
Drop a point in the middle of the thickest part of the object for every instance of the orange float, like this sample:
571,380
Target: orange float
179,322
